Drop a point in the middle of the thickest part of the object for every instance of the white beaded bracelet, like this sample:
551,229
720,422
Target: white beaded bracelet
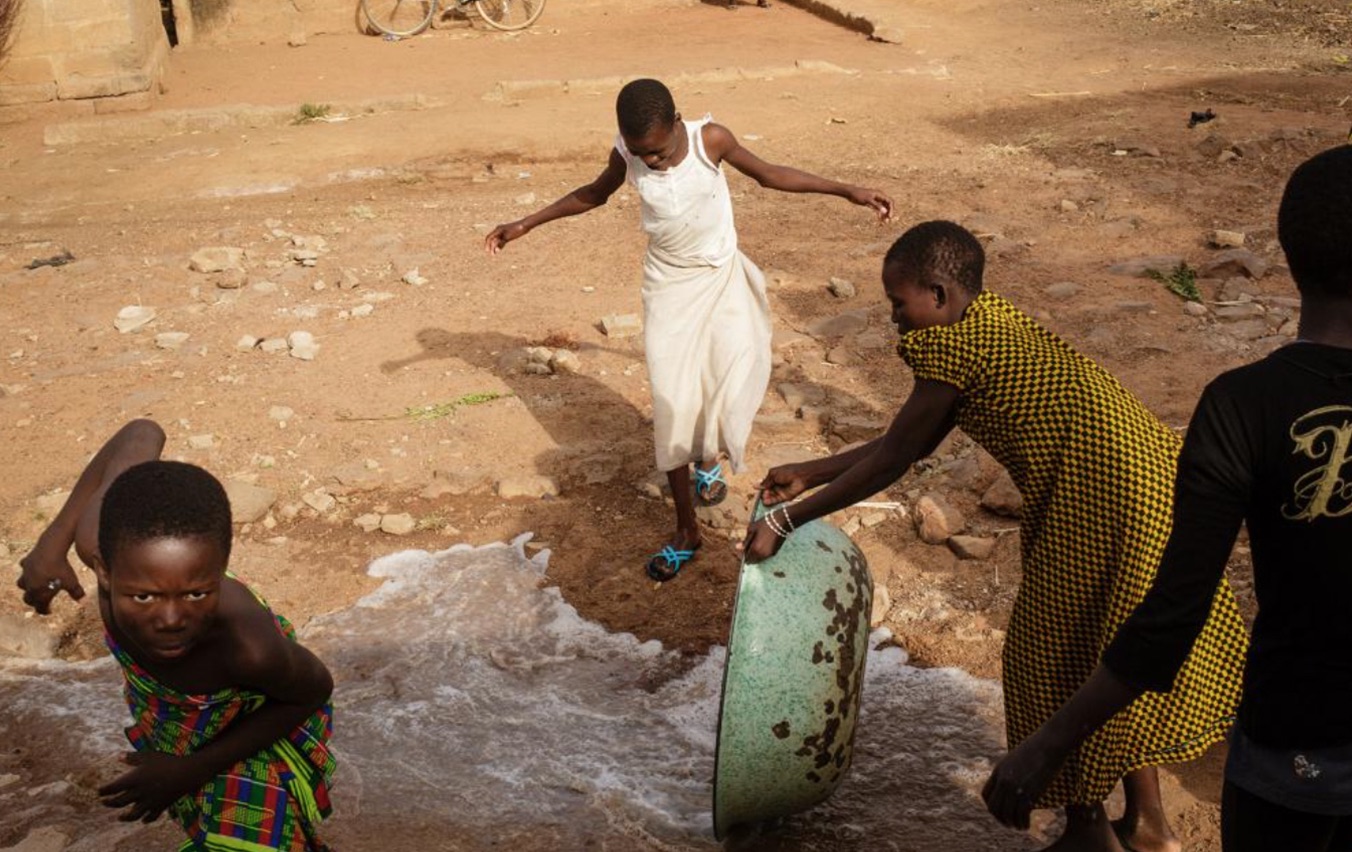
775,527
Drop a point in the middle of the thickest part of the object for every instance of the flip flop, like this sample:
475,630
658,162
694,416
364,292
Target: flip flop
710,486
665,565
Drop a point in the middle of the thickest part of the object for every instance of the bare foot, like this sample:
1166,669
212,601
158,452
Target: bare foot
1087,830
1139,837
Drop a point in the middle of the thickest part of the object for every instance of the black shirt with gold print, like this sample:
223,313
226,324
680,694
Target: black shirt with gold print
1270,445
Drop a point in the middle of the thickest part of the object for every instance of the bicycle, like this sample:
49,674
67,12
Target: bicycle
403,18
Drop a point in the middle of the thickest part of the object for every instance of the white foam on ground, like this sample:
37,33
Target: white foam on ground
472,701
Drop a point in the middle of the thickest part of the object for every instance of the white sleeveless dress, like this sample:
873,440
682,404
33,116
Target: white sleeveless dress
706,320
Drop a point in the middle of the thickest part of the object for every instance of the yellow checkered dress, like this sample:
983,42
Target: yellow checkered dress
1096,471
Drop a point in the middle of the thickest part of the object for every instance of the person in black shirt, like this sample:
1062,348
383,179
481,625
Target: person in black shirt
1270,445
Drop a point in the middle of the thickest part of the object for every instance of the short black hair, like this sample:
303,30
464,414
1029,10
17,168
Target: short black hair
1314,223
643,105
163,499
940,249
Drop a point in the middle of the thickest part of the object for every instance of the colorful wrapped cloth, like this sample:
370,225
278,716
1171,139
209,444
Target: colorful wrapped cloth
273,800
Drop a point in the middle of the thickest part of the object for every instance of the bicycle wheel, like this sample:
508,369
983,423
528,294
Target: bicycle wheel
399,17
509,14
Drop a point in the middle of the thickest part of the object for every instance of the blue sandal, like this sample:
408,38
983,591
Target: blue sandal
710,486
667,564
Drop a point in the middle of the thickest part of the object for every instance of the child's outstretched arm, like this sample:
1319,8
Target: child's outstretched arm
296,684
917,429
723,146
580,200
46,570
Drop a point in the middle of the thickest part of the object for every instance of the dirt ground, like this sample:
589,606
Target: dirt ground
1059,132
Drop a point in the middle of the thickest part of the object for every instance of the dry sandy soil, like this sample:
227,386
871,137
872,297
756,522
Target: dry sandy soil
1058,131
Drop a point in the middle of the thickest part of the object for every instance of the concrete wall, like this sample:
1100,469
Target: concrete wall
80,50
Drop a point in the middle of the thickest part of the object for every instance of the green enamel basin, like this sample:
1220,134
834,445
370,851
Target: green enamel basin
792,680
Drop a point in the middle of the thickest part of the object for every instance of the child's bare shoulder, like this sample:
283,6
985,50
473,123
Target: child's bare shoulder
718,139
250,638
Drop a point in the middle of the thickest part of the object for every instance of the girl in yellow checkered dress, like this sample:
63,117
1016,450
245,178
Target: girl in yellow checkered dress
1095,469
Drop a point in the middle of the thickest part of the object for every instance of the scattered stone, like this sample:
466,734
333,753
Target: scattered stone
231,279
527,485
963,471
717,517
851,322
971,547
1068,206
1226,239
841,356
47,838
798,395
133,317
621,325
400,524
851,428
1141,267
869,520
565,361
248,502
1252,329
305,257
363,310
348,279
1244,311
358,475
302,345
1003,497
320,500
851,526
1212,145
936,520
367,523
872,340
217,259
841,288
1237,289
1234,262
1062,289
274,344
1195,309
414,278
171,339
882,605
281,413
786,338
1290,303
463,480
1137,148
776,424
264,287
525,198
23,637
202,442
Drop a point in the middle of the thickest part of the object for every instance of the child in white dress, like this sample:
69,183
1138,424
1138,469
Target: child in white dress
706,318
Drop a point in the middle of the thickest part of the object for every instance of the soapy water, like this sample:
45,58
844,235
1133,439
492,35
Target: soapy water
477,710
